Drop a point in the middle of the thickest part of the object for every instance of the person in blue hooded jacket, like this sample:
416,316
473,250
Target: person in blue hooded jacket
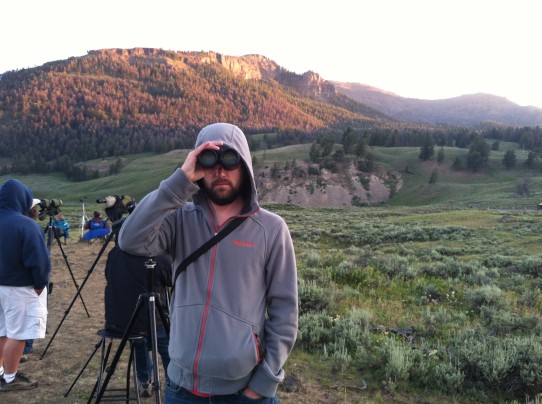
25,269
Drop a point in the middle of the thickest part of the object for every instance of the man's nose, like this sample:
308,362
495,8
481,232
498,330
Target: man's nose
220,171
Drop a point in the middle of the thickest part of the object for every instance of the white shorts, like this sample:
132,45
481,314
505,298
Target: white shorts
23,314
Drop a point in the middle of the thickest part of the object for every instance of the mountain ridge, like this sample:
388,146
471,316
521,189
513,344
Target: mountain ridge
113,102
468,110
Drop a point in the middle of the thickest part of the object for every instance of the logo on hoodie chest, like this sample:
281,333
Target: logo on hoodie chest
240,243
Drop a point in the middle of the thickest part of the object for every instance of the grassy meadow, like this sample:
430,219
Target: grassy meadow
434,296
420,303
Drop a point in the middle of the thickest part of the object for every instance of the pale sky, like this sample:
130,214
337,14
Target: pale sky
427,49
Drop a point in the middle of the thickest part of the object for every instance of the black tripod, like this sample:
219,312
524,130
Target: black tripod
115,228
153,303
51,233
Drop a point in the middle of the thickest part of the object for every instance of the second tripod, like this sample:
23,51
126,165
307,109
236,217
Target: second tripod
50,232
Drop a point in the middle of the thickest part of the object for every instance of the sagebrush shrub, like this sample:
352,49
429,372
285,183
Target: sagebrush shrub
312,297
353,329
510,364
531,265
488,295
314,331
504,322
399,359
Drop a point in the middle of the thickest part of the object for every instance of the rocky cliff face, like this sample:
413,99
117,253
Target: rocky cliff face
249,67
307,185
257,67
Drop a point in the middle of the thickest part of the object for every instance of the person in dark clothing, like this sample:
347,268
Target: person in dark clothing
25,269
127,277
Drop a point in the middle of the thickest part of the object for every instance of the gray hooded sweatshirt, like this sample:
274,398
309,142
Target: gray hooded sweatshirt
234,313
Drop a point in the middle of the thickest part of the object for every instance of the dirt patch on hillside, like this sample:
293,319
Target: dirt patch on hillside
311,186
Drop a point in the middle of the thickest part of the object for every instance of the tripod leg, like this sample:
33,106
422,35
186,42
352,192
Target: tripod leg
71,273
122,344
49,233
83,368
103,362
131,368
91,269
154,345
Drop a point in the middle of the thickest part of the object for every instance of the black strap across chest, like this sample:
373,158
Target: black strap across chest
233,224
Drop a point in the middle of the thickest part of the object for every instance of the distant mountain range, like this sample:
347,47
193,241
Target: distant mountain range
466,110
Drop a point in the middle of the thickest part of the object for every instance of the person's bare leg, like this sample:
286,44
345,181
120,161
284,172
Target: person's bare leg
12,352
2,343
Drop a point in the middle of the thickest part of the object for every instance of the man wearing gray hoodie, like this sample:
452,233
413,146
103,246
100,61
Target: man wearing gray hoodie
234,313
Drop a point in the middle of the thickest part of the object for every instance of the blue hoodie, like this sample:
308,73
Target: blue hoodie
24,257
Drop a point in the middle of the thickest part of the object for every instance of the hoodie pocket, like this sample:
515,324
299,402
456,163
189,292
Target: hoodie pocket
230,349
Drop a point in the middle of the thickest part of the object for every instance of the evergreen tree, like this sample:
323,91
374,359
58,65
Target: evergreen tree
478,154
115,167
440,155
509,159
426,149
361,147
531,160
457,164
523,187
327,143
368,164
349,141
338,156
434,177
474,160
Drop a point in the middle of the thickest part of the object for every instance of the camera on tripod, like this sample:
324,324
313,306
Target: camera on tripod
116,206
49,207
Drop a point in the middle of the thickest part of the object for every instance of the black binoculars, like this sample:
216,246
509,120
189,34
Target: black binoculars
226,156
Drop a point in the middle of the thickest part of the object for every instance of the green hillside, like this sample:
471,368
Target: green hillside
492,187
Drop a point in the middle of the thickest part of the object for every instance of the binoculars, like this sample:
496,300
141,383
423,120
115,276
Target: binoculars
226,156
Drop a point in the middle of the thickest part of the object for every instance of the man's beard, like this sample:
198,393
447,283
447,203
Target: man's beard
222,199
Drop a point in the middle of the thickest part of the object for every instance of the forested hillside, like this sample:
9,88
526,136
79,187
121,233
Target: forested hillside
116,102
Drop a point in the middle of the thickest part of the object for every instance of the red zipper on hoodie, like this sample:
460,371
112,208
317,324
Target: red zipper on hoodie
205,313
206,310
